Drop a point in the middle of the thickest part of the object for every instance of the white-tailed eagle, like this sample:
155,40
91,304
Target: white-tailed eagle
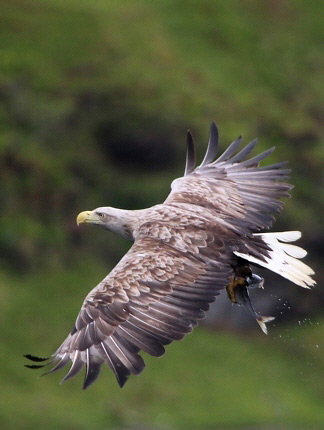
204,238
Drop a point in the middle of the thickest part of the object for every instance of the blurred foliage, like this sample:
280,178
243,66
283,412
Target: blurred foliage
95,101
96,98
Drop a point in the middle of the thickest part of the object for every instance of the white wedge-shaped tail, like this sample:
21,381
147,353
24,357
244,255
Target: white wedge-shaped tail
284,258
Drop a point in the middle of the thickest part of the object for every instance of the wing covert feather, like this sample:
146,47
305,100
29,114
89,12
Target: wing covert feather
155,294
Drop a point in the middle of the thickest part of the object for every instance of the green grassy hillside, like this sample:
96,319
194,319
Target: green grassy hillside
211,378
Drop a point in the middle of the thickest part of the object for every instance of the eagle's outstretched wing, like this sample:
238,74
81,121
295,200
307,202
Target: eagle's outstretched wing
232,190
154,295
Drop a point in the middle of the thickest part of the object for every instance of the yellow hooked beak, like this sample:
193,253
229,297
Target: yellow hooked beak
86,217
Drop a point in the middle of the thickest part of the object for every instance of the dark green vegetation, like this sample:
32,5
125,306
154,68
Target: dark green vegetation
95,101
96,98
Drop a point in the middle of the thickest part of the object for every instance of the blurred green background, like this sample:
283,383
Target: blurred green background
95,100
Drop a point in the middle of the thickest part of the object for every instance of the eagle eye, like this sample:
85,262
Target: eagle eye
101,215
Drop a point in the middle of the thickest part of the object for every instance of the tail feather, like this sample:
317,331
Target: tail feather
284,258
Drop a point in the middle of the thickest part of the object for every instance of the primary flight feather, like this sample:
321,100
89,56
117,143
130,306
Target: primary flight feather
201,240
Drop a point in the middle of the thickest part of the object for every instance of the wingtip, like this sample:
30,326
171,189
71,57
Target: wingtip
214,128
191,155
189,136
212,145
34,366
122,377
214,134
34,358
93,367
122,383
